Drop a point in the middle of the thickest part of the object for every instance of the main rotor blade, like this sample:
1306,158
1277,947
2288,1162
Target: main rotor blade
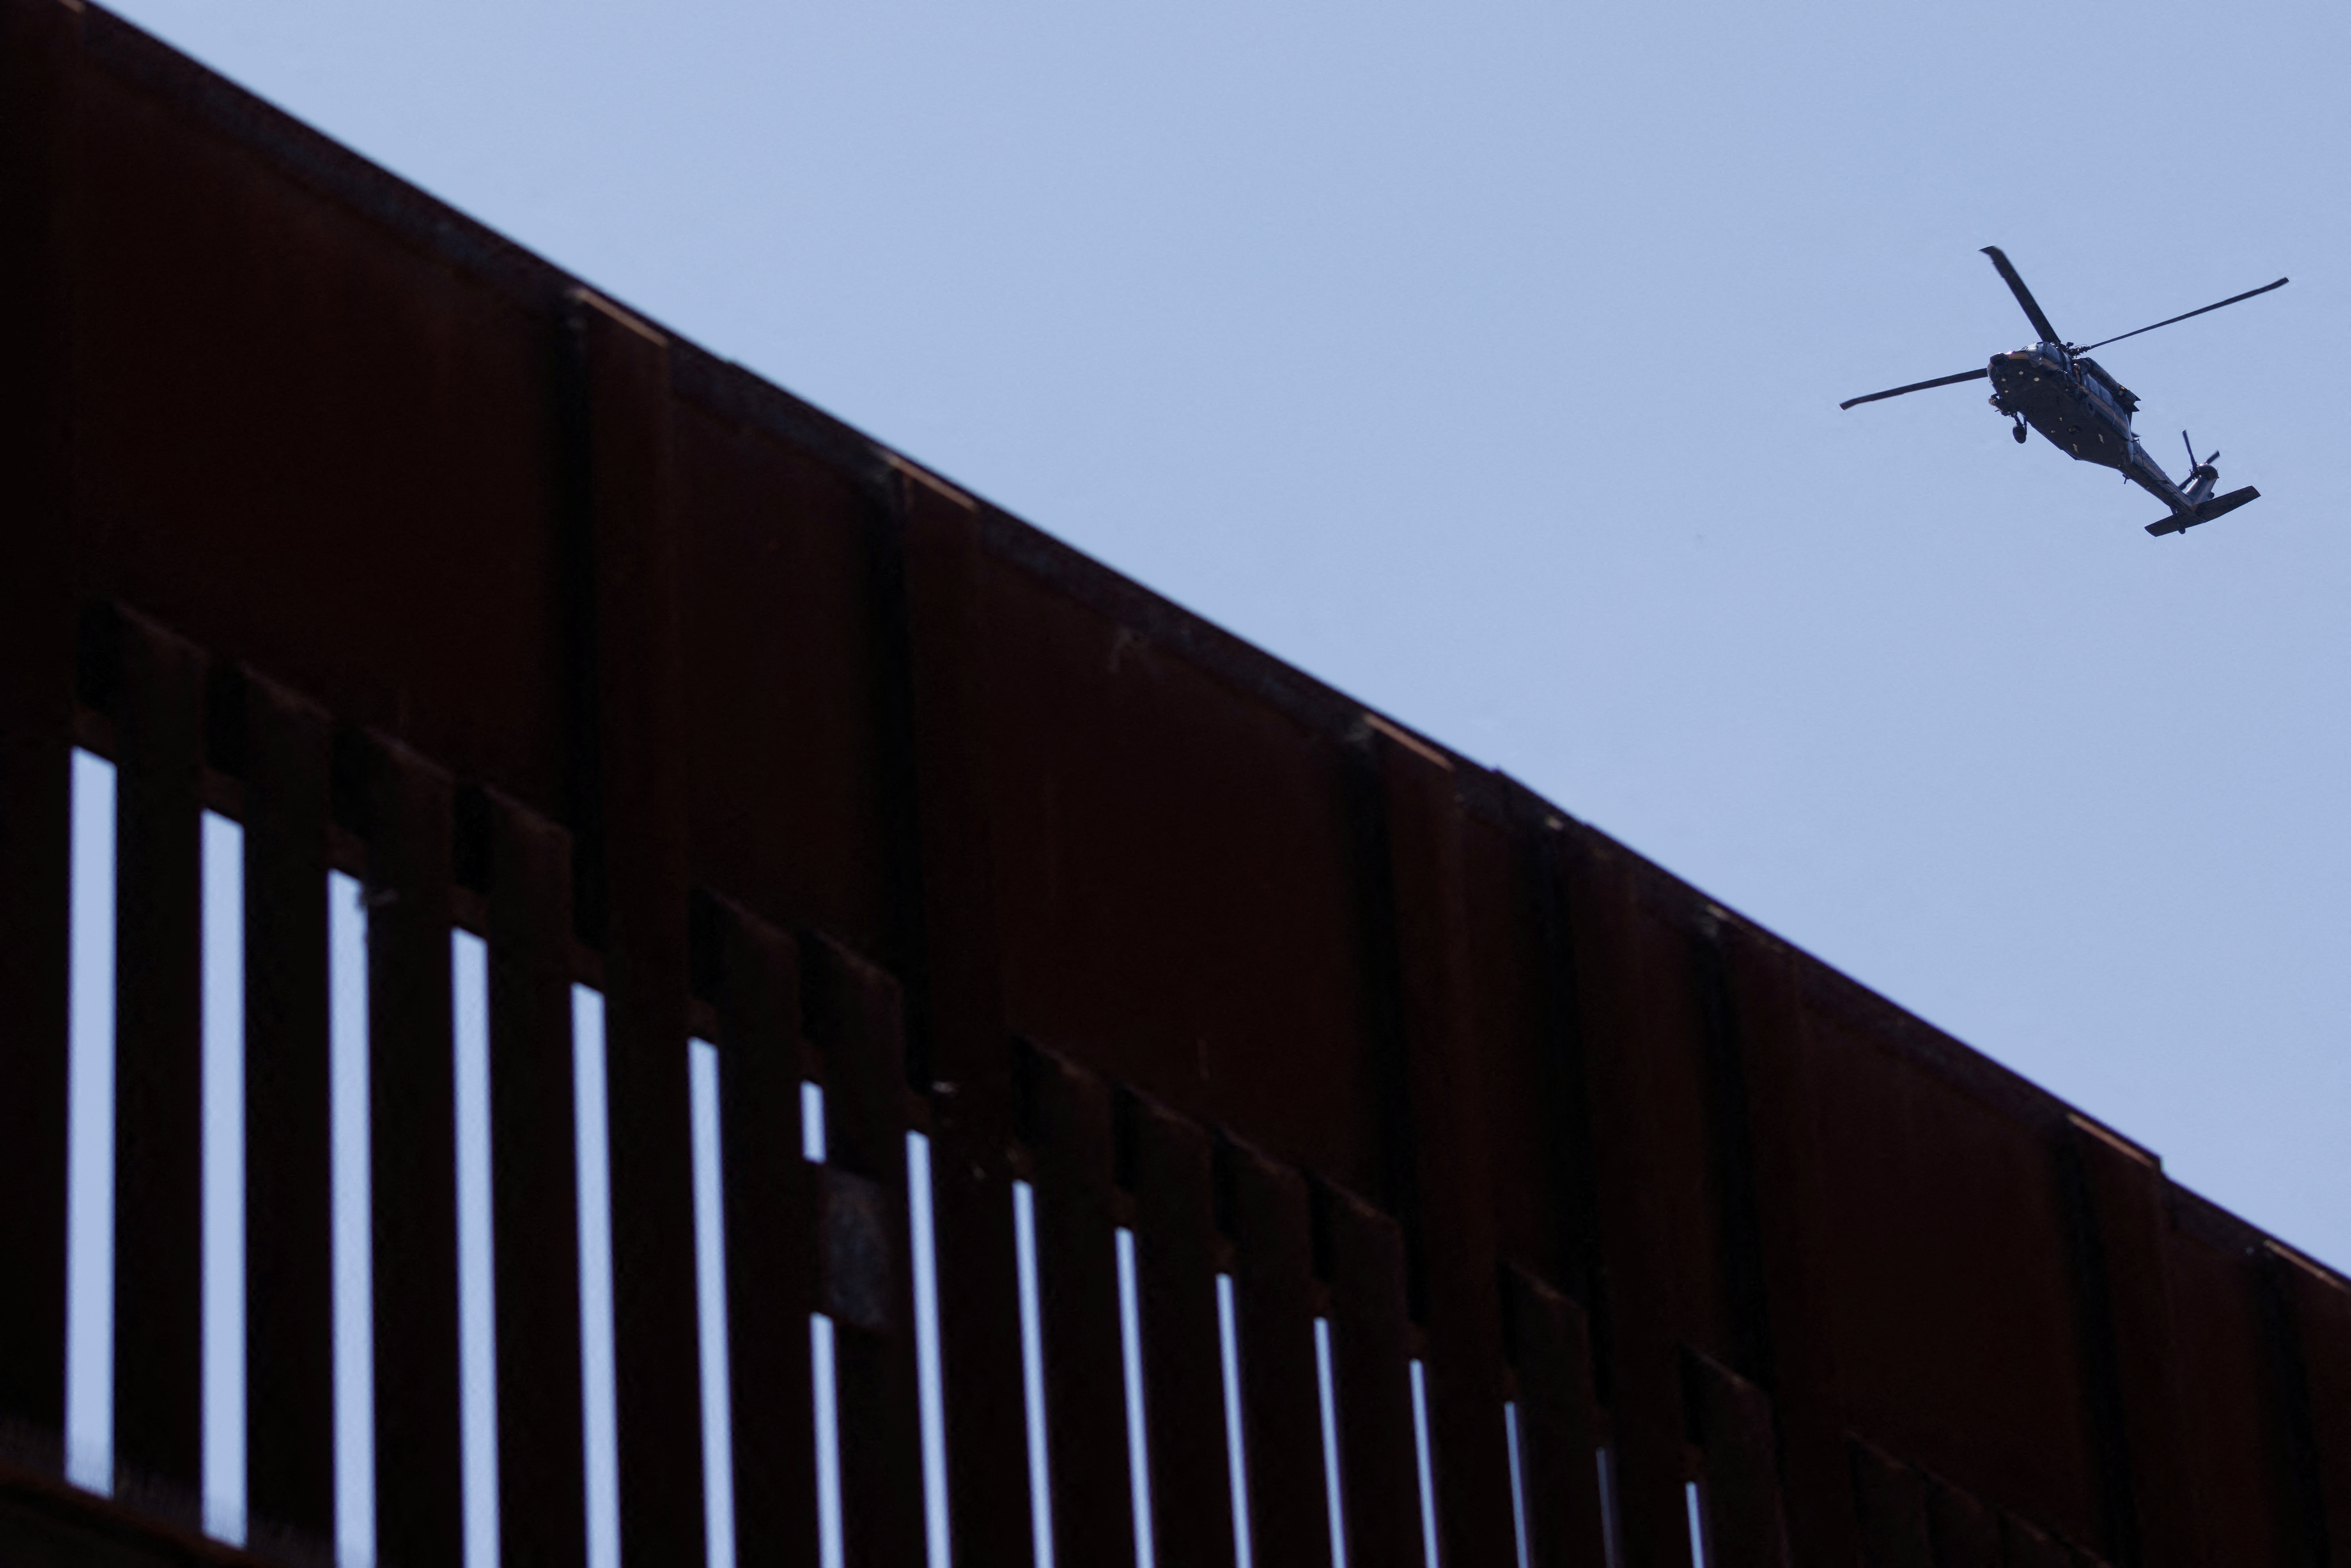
2023,295
1975,375
2232,299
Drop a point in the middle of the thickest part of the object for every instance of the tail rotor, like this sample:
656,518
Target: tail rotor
2204,470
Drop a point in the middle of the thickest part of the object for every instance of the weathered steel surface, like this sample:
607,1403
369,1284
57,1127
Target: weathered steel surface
159,1070
44,1523
2242,1488
769,1198
855,1018
1745,1518
407,817
1361,1255
1268,1215
1551,1356
1067,1124
39,76
1890,1511
283,753
534,1185
630,786
1168,1164
673,685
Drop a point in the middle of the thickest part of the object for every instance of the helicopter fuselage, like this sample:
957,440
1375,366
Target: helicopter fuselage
2058,390
2082,411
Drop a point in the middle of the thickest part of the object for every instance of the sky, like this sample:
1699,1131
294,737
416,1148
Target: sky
1483,361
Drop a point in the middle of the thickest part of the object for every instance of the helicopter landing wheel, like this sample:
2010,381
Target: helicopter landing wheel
2019,433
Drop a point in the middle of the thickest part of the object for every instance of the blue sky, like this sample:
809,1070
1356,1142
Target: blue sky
1484,362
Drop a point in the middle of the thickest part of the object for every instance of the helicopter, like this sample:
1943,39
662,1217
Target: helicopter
2069,398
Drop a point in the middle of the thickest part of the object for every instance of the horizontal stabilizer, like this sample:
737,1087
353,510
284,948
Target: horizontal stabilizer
2180,522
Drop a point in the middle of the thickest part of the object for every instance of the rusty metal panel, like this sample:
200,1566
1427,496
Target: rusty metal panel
769,1199
1890,1509
1267,1214
289,1159
929,575
2316,1314
784,755
1069,1128
1641,1027
1766,1047
1965,1535
636,875
413,1153
44,1523
38,45
858,1281
1167,1163
1530,1131
2231,1423
2023,1546
1956,1331
1176,879
1730,1422
159,1071
965,1053
2302,1467
987,1485
1370,1348
1562,1084
2123,1190
534,1188
852,1014
1447,1037
342,439
1550,1354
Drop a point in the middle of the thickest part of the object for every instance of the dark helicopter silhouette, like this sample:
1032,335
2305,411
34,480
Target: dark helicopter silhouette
2072,400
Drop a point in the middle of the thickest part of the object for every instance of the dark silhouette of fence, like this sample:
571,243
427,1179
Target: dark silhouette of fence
1403,1169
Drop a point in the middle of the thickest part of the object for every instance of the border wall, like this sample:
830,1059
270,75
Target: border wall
1299,1142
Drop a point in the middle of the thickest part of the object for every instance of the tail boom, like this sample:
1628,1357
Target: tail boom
2203,512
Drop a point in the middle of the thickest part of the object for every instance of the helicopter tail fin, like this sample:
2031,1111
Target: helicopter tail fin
2180,522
